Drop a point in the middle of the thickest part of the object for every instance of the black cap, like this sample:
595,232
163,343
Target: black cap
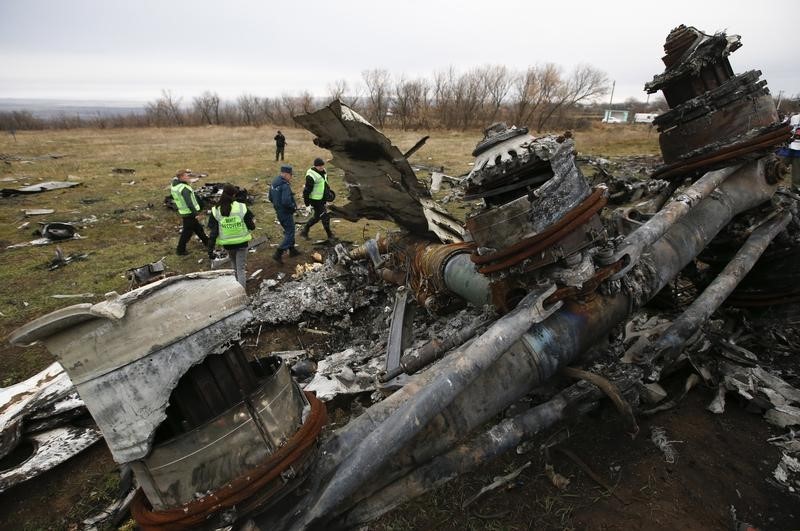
286,169
319,162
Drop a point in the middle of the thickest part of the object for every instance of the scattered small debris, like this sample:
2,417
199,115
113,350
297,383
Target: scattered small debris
558,481
37,211
123,171
498,482
61,261
37,188
139,276
659,437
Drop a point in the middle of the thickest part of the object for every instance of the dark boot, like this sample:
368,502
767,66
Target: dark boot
294,252
327,224
277,255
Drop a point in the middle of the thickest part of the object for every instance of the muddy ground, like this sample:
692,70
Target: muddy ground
723,468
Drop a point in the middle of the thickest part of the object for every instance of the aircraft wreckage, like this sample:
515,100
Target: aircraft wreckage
540,274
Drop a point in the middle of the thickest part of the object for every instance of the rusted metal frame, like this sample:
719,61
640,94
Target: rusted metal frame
765,140
590,203
462,395
547,242
699,104
671,342
588,287
634,243
575,400
427,266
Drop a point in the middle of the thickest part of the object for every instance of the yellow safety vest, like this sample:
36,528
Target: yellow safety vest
177,196
318,192
232,228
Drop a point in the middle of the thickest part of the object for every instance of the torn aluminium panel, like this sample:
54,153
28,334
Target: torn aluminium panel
48,449
37,188
136,328
18,401
33,437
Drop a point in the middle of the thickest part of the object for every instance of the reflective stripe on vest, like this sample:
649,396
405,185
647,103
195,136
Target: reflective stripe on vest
177,196
232,228
318,192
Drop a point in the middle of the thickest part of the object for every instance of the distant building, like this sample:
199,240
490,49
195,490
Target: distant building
644,117
615,117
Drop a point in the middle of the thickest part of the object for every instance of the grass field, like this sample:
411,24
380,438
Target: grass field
129,225
132,225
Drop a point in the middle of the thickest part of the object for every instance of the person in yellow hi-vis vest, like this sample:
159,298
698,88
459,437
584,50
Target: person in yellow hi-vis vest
189,208
230,224
316,193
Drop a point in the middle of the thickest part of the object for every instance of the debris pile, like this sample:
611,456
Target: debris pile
446,326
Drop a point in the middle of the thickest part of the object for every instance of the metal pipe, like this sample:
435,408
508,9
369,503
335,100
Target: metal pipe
417,358
644,236
578,399
670,344
462,278
463,391
401,427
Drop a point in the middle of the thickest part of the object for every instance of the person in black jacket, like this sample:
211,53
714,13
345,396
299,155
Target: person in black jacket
280,144
229,225
189,208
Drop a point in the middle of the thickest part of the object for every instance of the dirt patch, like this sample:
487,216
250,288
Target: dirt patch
63,496
723,461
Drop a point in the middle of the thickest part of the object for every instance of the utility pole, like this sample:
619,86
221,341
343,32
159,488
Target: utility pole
611,99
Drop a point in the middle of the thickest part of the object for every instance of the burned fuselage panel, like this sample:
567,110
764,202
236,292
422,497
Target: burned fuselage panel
716,118
161,372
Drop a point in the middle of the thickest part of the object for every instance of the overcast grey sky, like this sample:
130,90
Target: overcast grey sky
131,50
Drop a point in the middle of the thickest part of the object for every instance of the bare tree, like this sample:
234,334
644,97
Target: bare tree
206,106
470,97
248,109
444,82
270,110
498,80
534,92
289,107
307,103
165,110
584,84
410,102
378,84
337,89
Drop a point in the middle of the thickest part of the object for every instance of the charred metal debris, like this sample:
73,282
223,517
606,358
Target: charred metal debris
437,328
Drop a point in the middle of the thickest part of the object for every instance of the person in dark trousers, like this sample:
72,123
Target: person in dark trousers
315,193
282,198
188,208
280,144
229,225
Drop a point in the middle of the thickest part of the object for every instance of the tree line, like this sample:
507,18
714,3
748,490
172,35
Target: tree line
540,97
